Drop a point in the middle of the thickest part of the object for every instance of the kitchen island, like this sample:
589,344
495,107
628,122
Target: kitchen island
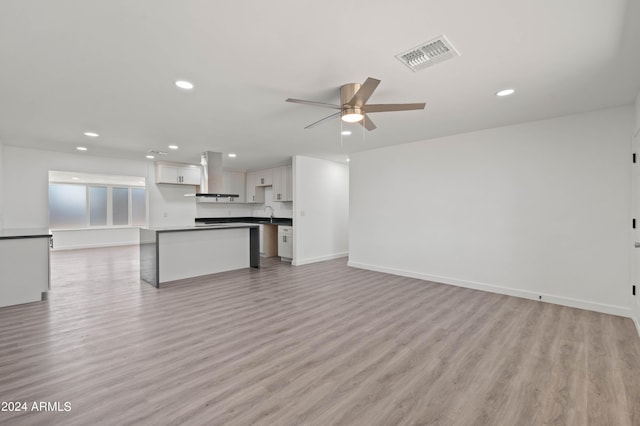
175,253
24,265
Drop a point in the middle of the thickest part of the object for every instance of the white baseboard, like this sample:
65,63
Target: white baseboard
89,246
319,259
558,300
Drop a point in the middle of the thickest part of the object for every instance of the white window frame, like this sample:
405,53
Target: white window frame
109,207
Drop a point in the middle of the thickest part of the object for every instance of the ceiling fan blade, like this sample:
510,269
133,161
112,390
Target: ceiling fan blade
364,93
312,103
367,123
322,120
393,107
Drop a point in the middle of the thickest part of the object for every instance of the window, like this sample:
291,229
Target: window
80,201
67,206
138,207
97,206
120,206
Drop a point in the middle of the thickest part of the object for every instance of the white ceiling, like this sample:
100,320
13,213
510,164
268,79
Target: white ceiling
109,66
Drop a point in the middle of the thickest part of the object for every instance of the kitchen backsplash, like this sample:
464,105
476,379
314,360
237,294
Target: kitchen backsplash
240,210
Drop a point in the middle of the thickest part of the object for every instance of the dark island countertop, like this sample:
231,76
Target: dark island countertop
284,221
200,227
12,234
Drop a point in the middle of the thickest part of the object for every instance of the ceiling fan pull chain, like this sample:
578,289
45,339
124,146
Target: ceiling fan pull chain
364,134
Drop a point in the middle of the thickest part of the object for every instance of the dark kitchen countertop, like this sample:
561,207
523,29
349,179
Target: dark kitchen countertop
11,234
199,227
258,220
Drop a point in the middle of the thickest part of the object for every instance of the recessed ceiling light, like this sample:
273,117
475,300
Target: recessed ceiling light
173,146
505,92
75,178
232,155
91,134
81,148
183,84
346,132
348,159
150,157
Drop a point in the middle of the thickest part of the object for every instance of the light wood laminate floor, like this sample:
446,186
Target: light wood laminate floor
320,344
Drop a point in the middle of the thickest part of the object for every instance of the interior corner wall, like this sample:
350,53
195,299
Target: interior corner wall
320,210
637,128
535,210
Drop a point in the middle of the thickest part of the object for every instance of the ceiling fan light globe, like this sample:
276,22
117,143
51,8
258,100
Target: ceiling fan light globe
352,118
352,115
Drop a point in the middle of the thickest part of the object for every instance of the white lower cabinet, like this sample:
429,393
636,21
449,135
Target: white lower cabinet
24,270
285,242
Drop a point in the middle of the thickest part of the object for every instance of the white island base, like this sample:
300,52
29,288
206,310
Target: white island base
177,253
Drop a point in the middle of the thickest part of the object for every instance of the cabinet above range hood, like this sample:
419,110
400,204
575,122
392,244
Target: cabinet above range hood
212,176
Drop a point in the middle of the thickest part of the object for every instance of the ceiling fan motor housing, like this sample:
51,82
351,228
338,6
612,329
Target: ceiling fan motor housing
347,91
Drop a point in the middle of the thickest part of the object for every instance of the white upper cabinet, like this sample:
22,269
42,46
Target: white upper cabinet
178,173
254,194
264,177
282,185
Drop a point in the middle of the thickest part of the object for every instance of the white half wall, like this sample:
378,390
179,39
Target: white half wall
92,238
321,210
536,210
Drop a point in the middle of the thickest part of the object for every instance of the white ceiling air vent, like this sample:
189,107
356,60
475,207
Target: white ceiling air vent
427,54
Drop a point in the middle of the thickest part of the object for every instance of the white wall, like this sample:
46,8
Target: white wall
635,303
321,210
212,209
25,174
536,209
1,185
168,205
637,128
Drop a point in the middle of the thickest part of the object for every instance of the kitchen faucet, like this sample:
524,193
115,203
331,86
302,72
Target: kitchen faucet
271,214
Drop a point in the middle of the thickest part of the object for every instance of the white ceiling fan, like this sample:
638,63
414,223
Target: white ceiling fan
353,106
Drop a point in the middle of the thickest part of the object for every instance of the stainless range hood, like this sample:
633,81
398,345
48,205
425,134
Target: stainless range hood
212,178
